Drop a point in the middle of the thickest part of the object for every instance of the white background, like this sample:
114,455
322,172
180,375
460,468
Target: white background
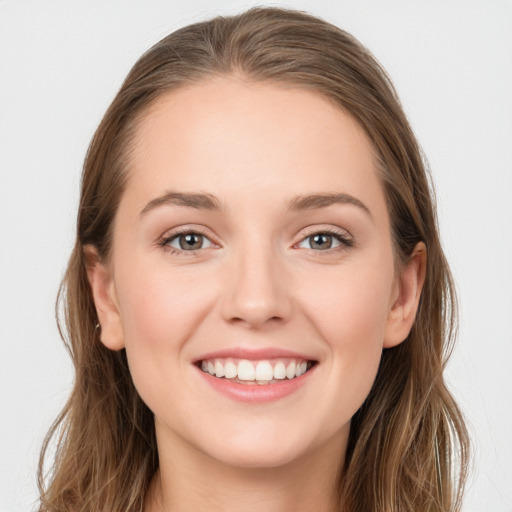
61,63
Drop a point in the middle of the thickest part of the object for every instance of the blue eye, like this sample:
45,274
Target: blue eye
324,241
188,242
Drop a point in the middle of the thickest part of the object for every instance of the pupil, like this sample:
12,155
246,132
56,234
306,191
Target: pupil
321,241
191,241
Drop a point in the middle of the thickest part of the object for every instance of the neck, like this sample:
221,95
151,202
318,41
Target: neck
191,481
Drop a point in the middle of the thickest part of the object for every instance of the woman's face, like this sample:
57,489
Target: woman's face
252,240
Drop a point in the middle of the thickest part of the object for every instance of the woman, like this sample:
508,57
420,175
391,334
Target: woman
258,305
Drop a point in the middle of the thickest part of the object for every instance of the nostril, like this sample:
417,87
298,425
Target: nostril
255,320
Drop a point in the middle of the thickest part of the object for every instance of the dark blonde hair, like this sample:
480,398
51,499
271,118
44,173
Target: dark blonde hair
408,446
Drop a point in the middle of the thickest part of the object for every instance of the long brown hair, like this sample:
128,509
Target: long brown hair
408,446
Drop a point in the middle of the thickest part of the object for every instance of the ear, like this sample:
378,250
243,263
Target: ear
105,300
406,297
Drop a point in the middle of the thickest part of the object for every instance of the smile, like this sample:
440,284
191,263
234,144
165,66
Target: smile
255,372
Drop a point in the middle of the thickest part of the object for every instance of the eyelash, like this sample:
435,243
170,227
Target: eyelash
166,240
346,242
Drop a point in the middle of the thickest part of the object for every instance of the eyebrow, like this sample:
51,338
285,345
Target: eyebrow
198,201
210,202
314,201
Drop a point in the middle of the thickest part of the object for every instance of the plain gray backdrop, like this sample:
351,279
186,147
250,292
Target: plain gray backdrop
61,63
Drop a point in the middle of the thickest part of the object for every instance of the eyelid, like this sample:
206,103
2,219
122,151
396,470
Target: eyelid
171,234
323,228
342,235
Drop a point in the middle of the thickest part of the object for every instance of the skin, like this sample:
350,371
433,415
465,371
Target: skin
256,283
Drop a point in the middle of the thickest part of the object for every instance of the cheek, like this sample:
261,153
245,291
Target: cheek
349,311
353,327
351,306
160,312
160,307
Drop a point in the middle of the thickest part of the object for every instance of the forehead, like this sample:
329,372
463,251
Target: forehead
229,137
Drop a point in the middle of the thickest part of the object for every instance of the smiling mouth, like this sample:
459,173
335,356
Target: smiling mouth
261,372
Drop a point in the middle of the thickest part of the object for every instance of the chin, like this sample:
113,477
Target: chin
265,449
254,458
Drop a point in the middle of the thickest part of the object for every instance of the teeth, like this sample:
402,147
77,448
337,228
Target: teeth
230,370
300,369
219,369
259,372
290,370
246,370
264,371
279,371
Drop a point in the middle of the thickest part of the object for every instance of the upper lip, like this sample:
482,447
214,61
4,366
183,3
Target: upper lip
253,354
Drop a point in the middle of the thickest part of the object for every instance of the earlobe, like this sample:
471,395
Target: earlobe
105,300
405,304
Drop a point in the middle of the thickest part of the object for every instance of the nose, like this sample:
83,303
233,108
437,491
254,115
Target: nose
257,292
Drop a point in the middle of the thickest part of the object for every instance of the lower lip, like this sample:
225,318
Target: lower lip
256,393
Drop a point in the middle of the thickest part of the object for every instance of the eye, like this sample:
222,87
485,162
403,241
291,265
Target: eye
323,241
189,241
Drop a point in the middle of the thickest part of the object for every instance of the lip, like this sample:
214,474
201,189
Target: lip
253,354
256,393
